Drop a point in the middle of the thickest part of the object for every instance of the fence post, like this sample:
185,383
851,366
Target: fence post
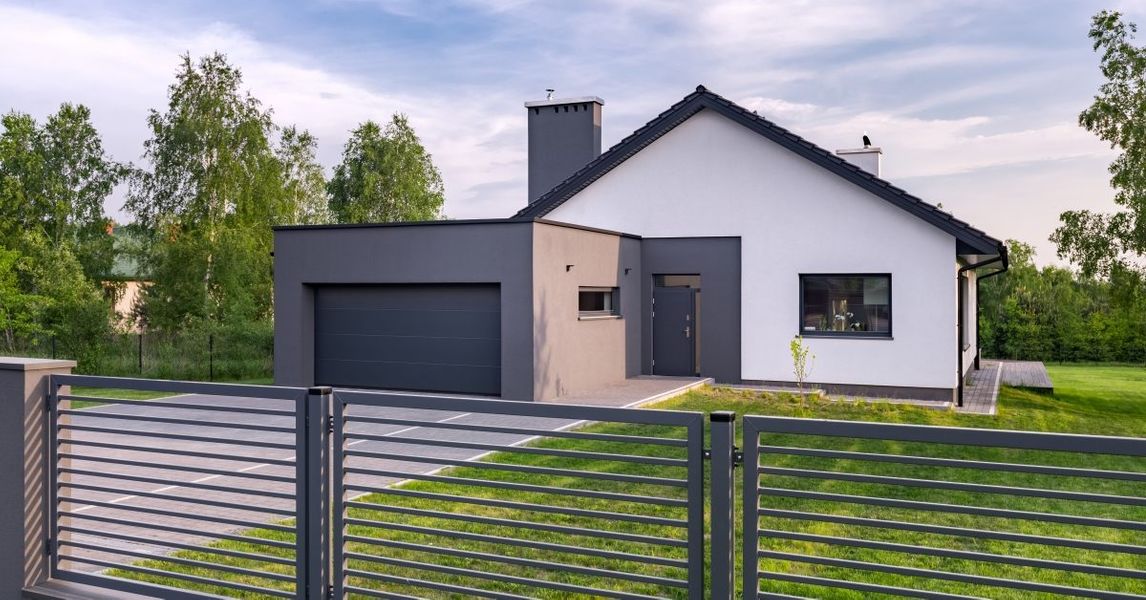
723,435
141,353
211,357
24,387
315,542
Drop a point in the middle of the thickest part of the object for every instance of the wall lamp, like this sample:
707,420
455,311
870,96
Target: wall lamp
568,268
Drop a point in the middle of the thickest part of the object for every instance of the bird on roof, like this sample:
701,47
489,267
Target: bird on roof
866,140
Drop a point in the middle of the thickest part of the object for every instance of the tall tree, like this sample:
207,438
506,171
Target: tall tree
305,199
1100,243
55,179
214,188
385,175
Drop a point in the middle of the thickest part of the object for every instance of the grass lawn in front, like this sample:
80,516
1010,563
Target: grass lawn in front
1088,399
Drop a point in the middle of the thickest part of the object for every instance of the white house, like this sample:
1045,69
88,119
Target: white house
699,245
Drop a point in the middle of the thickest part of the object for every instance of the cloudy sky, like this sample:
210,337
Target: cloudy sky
974,102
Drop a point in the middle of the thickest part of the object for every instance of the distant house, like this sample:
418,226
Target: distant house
124,284
697,246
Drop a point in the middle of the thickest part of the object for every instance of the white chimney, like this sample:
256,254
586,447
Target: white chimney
868,158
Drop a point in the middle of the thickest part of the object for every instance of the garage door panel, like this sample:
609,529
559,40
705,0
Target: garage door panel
480,351
424,337
407,376
413,296
407,322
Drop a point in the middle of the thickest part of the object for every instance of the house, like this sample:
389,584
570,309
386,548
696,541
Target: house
123,285
700,245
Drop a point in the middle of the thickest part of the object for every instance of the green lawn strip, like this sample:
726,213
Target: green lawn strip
97,392
1109,402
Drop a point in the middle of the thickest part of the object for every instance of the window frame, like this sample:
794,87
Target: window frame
614,311
863,335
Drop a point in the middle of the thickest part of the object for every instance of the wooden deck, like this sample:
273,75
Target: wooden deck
1030,374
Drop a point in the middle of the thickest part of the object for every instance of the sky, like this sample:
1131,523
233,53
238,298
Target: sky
974,102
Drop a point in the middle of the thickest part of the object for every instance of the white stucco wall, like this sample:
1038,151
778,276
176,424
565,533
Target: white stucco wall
712,177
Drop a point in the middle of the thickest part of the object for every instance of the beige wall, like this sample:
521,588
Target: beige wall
574,354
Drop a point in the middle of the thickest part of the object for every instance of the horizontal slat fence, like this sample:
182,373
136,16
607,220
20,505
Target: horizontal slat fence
525,503
178,497
860,509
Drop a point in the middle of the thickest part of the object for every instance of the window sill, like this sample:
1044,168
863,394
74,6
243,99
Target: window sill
597,317
843,336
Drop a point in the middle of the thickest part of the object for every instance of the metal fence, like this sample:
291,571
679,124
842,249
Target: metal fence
824,513
131,482
614,515
273,492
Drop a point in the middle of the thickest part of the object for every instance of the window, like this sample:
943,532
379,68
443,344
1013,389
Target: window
845,305
598,302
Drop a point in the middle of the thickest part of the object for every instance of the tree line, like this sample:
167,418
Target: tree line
217,173
1098,310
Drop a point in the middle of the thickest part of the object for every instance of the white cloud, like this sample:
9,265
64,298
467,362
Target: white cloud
122,71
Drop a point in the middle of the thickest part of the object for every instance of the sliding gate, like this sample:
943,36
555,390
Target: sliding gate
534,502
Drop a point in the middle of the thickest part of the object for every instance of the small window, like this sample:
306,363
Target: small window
598,302
845,305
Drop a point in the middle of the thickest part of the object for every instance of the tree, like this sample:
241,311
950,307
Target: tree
55,179
1102,243
385,176
305,183
207,204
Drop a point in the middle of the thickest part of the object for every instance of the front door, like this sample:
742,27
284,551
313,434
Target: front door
674,331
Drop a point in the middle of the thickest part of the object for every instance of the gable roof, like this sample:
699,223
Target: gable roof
969,240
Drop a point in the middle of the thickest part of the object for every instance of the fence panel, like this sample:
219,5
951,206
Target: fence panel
909,510
204,493
444,496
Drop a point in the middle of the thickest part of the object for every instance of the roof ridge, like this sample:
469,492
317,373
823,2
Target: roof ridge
704,98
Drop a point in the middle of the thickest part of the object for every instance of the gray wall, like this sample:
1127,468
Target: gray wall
563,137
574,354
717,261
457,252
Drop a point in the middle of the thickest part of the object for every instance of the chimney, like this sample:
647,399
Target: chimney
564,135
868,158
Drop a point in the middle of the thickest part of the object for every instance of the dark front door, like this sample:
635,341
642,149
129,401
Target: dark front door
674,331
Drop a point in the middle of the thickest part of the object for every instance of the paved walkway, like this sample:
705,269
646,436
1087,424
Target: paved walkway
981,393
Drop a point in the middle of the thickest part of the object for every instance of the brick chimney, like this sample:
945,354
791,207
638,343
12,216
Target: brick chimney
564,135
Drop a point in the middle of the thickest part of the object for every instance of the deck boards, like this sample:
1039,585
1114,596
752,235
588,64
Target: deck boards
1030,374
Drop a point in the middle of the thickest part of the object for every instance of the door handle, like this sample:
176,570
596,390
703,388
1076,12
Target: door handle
687,331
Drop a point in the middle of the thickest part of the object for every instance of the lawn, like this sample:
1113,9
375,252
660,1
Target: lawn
1088,399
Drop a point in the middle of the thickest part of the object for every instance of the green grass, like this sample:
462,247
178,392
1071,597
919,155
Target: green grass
1088,399
95,392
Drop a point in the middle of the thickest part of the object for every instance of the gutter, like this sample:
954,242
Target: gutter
1002,257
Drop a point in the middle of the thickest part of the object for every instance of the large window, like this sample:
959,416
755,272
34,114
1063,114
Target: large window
598,302
845,305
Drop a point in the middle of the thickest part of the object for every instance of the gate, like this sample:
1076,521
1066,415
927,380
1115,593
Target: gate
613,511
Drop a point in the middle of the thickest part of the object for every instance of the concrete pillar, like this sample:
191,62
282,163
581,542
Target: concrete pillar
23,471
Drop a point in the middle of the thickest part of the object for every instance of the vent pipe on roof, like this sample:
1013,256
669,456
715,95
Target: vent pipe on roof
564,135
868,158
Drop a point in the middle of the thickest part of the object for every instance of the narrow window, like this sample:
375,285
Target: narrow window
598,302
845,305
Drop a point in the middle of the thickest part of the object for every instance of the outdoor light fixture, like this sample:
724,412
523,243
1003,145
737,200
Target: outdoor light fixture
568,268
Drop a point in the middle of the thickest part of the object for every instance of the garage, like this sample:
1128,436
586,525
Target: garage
419,337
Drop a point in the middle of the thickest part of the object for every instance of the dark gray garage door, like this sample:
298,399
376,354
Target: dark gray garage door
434,338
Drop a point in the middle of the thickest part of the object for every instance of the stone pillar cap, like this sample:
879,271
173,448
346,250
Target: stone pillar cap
15,363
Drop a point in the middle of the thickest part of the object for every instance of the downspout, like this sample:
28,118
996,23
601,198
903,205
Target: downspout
1002,257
